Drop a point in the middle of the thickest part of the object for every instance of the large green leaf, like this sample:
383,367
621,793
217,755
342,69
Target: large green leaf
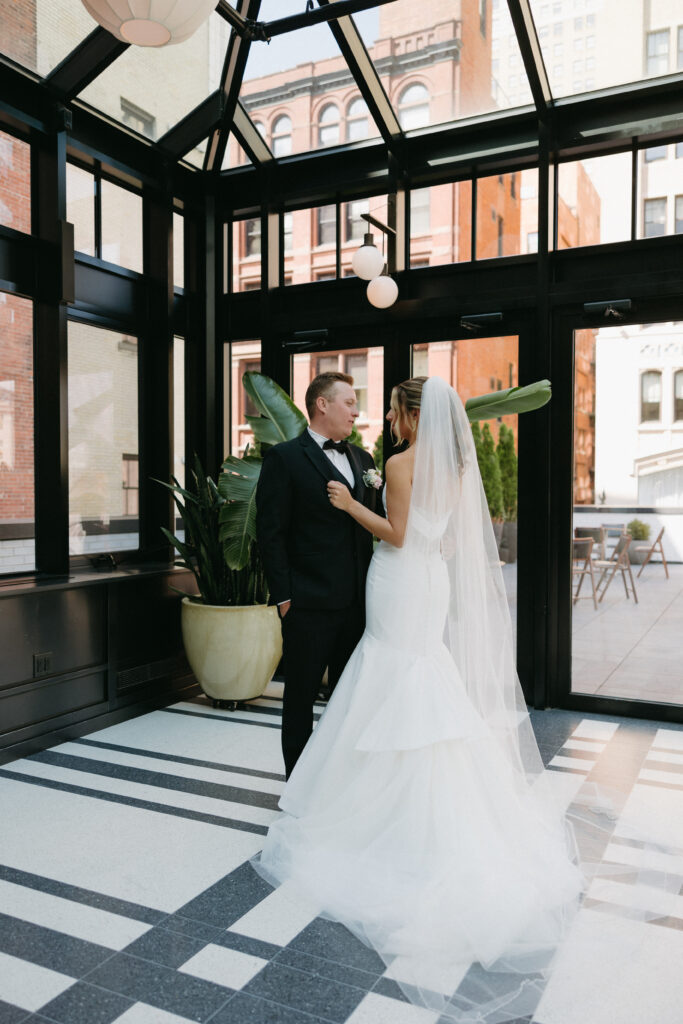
276,405
264,430
237,484
509,402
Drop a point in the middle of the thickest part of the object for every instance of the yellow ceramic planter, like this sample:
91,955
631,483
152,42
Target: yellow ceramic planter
232,650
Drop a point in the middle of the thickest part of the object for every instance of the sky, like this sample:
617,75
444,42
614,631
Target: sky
316,42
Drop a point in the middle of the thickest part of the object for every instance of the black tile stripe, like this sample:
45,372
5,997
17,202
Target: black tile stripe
49,948
160,780
145,805
177,759
220,718
76,894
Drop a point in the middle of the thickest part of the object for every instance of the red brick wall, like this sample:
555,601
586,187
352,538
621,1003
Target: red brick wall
18,21
16,365
15,183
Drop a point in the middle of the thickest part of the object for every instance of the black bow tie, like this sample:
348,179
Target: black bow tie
337,446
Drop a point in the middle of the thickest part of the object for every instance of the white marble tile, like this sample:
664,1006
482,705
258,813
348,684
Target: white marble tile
590,729
376,1009
565,785
187,771
669,778
223,966
646,857
206,739
153,794
63,915
29,986
158,860
231,718
654,815
578,764
588,745
277,919
652,901
669,739
664,756
141,1013
612,970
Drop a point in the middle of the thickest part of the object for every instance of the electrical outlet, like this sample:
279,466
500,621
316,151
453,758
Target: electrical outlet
42,663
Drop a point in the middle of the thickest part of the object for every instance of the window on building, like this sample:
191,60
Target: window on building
678,226
678,395
357,120
500,235
282,136
655,217
679,150
650,396
590,42
248,407
578,44
327,364
251,285
252,236
287,231
413,107
577,67
558,49
326,275
327,225
655,153
329,126
590,20
590,63
356,364
482,17
121,226
80,207
578,24
420,220
130,468
658,52
354,226
532,241
557,28
138,119
513,185
679,56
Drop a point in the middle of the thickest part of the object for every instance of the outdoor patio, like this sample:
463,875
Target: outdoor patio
632,650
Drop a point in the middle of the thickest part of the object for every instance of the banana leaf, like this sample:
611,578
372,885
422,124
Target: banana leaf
276,406
509,402
237,485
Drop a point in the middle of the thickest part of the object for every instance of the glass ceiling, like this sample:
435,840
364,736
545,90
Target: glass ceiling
435,64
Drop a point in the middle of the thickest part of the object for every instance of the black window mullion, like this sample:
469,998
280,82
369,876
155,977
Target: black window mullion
98,211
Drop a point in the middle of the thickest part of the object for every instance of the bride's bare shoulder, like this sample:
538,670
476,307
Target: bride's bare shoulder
400,466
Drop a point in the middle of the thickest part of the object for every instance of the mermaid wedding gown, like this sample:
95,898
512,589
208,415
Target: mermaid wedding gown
417,815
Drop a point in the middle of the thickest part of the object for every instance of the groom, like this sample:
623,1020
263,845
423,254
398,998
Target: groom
315,556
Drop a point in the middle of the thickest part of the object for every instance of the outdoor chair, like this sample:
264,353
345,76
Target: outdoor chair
617,562
657,546
582,566
613,531
599,535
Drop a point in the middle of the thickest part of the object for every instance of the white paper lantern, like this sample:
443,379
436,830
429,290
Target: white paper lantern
382,292
367,261
150,22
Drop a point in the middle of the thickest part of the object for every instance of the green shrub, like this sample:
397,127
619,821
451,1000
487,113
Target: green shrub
378,453
490,473
507,460
638,529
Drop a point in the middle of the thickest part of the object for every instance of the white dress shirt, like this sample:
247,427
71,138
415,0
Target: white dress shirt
339,460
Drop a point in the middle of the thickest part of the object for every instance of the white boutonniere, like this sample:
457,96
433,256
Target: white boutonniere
372,478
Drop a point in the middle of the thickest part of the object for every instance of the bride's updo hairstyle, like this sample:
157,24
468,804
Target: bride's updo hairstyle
406,399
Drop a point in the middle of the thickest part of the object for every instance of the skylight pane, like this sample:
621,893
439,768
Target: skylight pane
39,34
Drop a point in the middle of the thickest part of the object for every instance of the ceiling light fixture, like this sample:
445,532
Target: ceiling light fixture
368,263
150,22
382,291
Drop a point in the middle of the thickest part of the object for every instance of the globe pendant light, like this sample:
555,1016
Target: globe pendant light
150,22
368,261
382,292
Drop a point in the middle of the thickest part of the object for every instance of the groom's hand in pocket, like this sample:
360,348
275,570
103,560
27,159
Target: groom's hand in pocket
284,608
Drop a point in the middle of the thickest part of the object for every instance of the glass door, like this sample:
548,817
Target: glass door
627,527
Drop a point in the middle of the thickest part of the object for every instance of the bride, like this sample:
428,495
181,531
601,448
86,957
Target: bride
419,814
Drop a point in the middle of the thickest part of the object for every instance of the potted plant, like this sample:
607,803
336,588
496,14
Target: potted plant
639,531
232,638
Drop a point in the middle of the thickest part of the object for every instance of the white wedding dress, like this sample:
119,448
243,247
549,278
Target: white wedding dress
417,815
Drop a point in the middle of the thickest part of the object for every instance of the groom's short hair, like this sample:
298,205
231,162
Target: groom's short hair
324,385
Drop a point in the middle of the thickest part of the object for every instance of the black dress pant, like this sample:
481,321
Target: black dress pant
312,641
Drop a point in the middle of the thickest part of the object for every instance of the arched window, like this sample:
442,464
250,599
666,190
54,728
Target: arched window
357,120
261,128
678,395
413,107
282,136
650,396
328,125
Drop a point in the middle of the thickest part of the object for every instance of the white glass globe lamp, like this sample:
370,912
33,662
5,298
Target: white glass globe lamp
150,22
382,292
368,261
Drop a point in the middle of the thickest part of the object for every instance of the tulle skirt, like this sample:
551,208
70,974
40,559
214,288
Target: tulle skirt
405,821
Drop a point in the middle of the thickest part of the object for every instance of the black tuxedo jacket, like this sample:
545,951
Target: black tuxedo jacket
314,554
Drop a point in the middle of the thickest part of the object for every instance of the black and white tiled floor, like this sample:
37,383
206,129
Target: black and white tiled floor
126,895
